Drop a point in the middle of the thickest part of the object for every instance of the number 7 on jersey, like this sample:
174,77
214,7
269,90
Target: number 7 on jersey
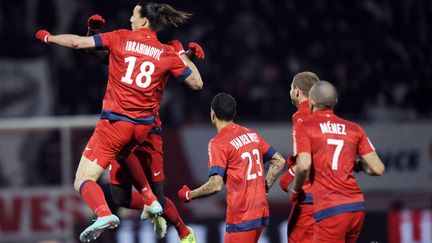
339,145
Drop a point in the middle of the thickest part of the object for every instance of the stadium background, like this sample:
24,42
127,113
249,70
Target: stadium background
377,53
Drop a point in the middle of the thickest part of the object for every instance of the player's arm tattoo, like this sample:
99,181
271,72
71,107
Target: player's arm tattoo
212,186
101,55
277,163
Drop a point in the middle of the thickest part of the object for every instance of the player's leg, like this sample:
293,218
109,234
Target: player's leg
151,153
87,174
301,224
121,189
133,169
331,230
357,222
250,236
107,139
293,232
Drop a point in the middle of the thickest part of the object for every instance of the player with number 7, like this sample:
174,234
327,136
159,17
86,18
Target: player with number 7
333,144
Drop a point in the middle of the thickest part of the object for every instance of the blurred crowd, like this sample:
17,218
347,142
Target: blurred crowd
377,52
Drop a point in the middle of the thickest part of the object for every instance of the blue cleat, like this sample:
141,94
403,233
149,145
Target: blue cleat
93,231
154,209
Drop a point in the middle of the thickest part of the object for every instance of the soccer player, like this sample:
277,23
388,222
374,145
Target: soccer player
149,153
300,220
236,156
328,145
138,65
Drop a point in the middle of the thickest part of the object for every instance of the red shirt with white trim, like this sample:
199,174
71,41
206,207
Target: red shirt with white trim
237,153
139,67
334,144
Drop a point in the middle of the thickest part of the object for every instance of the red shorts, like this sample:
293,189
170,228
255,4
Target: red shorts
301,224
150,154
113,137
345,227
250,236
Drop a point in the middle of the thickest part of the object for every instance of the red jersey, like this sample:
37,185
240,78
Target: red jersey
334,144
302,113
139,66
237,154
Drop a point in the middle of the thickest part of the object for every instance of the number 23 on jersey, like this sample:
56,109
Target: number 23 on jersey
254,164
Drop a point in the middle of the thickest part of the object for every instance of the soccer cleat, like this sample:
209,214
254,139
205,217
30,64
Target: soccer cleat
93,231
153,210
190,238
159,227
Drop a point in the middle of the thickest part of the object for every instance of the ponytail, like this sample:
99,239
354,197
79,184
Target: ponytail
162,15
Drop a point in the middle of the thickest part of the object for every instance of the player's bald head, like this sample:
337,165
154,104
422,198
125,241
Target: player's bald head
304,81
323,95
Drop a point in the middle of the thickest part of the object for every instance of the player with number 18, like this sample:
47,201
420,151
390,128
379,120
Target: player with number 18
138,65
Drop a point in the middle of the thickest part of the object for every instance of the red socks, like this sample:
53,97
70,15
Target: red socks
171,214
134,171
94,197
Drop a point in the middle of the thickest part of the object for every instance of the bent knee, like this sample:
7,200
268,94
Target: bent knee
78,183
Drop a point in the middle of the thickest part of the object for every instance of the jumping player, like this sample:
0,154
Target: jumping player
300,220
149,153
332,143
138,64
236,156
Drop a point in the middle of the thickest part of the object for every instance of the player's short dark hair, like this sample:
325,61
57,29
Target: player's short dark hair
161,15
304,81
224,106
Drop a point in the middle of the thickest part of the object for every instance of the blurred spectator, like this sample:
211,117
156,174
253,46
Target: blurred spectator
376,52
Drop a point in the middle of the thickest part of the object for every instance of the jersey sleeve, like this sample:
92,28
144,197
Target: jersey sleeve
301,140
107,40
365,145
217,159
179,69
265,149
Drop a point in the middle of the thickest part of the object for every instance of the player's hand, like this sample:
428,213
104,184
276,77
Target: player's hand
196,50
291,160
178,47
286,179
297,197
184,194
95,22
43,35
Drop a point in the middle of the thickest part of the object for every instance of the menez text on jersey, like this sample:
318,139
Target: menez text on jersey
333,128
143,49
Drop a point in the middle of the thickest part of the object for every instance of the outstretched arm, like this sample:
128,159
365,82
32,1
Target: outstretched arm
212,186
66,40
